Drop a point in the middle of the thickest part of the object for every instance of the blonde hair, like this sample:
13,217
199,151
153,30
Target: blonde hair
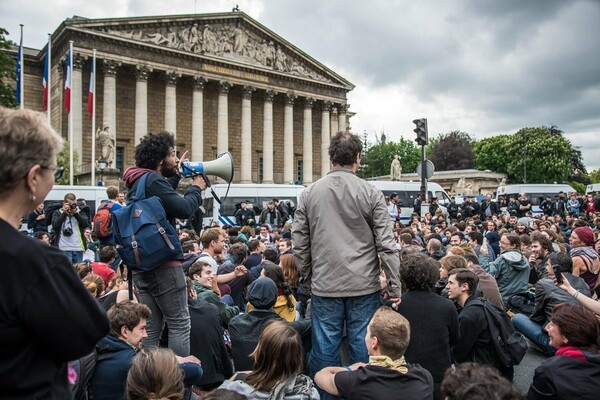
94,284
392,331
154,374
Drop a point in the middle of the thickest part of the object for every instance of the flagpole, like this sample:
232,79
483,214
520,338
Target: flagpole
93,85
71,113
21,81
49,55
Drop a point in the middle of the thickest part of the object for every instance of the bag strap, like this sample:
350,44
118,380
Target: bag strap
140,190
130,283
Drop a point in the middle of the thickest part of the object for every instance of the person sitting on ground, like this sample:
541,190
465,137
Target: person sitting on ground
108,254
586,262
204,284
487,283
119,291
245,329
447,264
154,374
269,257
387,375
285,306
475,381
94,284
587,302
547,295
433,319
277,369
510,268
206,340
574,373
255,248
237,255
117,350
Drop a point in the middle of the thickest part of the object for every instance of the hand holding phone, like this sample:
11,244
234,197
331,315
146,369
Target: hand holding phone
557,274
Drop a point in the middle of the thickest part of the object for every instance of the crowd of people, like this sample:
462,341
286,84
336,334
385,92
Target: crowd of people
339,300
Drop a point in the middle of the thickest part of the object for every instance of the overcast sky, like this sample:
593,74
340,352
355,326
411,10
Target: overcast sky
484,67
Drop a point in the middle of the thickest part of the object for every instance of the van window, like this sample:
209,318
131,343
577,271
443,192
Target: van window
231,204
406,198
208,207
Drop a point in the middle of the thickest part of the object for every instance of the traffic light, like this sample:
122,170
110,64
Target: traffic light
421,131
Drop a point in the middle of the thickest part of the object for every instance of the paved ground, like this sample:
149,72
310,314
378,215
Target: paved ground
524,371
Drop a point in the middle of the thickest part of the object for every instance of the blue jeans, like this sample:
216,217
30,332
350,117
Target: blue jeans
328,315
75,257
534,332
165,293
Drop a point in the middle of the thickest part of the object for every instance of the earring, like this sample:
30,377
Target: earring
32,197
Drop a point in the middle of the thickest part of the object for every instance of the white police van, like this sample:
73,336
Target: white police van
256,195
594,187
407,193
536,193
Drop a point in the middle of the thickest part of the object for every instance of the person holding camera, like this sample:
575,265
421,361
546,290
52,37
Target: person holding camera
68,224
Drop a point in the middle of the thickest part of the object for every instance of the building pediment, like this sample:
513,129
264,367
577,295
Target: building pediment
233,38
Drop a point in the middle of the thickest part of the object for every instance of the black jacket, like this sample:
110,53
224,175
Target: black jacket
59,217
494,208
563,377
547,295
35,224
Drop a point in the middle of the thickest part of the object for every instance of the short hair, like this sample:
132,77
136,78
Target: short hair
253,244
406,238
267,226
464,275
238,253
287,242
344,147
211,234
154,374
459,234
83,269
471,257
526,239
542,240
578,324
477,237
27,140
452,262
107,253
69,196
128,314
434,244
561,260
418,272
392,331
455,250
152,149
270,255
197,267
40,235
277,356
112,192
470,381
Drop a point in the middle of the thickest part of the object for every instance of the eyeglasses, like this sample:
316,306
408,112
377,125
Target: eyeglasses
58,171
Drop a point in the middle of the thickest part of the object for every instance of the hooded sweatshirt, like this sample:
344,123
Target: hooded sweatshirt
511,270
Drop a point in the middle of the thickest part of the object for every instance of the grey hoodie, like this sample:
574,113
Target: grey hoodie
294,388
511,270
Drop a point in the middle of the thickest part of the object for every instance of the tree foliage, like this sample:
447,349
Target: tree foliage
492,153
595,176
62,160
378,157
453,151
7,72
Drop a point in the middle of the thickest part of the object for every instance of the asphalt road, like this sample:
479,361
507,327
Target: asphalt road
524,371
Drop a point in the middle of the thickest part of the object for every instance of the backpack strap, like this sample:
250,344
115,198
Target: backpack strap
140,190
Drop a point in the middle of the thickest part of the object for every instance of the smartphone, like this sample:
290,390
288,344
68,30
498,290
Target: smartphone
557,274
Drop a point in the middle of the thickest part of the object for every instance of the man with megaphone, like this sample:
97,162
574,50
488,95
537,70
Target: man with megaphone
164,288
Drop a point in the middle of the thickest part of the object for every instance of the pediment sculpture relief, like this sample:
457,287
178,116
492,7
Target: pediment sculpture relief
227,41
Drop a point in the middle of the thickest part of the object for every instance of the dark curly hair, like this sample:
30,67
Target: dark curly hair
153,148
419,273
343,148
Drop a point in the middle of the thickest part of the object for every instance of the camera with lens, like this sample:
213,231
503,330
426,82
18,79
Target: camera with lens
73,206
68,231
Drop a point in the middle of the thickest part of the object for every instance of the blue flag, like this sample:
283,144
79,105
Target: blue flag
19,74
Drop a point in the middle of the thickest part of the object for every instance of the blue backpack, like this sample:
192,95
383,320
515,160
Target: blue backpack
145,237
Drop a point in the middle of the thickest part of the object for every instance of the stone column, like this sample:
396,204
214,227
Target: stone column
325,138
222,118
268,137
141,102
334,120
171,102
76,106
342,125
307,150
288,138
198,119
246,142
110,99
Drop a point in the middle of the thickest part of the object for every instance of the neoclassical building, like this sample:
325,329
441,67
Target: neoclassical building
218,82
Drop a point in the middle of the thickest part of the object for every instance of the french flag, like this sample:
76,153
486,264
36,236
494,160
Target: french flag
68,84
45,82
90,101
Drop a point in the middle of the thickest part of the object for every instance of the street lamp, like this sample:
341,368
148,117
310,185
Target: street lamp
102,164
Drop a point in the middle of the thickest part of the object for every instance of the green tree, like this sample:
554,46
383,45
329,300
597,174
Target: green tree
595,176
453,151
492,153
7,72
62,160
580,187
378,158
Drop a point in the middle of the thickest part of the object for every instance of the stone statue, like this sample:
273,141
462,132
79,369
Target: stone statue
395,169
107,145
502,182
460,186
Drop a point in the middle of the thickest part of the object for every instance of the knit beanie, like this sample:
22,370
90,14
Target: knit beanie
586,235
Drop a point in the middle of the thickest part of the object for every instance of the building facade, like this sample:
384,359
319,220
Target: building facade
218,82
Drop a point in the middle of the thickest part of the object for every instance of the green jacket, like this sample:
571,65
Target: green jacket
206,294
